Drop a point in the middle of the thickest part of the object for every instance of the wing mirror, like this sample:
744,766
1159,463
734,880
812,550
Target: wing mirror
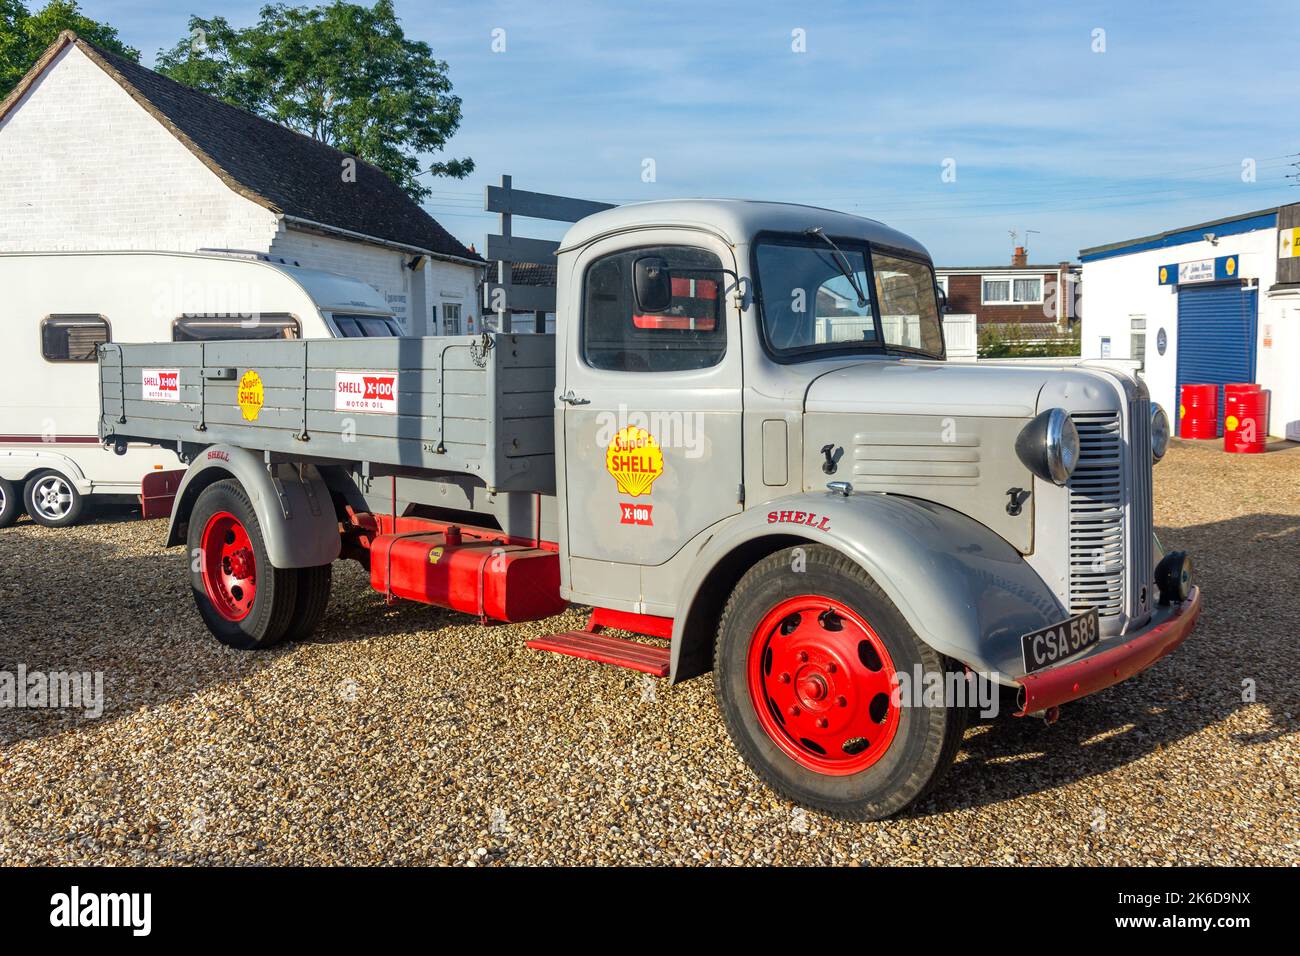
653,283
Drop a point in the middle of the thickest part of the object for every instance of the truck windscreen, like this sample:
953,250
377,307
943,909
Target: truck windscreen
809,305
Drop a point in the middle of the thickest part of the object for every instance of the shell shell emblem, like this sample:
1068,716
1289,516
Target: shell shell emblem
634,459
1230,266
251,395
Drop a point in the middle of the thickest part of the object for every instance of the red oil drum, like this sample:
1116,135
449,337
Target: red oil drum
1198,412
1245,418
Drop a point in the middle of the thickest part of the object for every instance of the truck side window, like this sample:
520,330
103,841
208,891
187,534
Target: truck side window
909,312
690,334
73,338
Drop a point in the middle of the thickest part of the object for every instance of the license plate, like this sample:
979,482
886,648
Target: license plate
1051,645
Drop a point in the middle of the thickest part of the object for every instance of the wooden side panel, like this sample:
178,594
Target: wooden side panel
454,406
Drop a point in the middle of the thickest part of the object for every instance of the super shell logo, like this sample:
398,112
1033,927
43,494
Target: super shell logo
634,459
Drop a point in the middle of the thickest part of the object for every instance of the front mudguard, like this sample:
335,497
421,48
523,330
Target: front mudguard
965,591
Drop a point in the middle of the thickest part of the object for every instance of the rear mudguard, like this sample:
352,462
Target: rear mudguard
293,507
964,590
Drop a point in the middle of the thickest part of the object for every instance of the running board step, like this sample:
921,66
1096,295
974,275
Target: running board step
607,650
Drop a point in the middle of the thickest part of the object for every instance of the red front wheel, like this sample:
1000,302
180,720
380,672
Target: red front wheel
820,682
805,670
246,602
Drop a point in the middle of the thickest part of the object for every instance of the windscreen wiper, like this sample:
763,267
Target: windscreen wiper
841,260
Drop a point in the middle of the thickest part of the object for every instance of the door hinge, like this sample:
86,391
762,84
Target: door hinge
740,494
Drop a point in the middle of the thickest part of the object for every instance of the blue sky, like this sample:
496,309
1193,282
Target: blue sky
1085,147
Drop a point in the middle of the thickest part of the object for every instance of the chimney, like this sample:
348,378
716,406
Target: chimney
1019,258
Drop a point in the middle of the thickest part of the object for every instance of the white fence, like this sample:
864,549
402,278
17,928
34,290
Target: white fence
961,337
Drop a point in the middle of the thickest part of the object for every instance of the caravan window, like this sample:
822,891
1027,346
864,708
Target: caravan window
216,328
366,326
73,338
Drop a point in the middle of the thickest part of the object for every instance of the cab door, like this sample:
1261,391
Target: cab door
651,409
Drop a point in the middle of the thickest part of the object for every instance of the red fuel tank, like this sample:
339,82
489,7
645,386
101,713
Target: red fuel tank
505,582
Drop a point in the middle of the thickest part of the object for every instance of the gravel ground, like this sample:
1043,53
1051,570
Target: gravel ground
408,735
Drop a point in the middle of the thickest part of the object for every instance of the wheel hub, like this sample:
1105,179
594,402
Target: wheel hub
821,681
812,688
241,564
52,498
228,566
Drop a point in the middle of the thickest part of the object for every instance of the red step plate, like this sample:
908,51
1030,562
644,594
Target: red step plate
607,650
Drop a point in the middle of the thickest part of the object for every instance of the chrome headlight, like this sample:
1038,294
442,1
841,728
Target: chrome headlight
1159,432
1049,446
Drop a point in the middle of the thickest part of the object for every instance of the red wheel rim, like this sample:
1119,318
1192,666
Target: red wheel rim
229,566
822,685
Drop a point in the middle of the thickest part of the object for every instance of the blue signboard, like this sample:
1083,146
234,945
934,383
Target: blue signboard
1221,269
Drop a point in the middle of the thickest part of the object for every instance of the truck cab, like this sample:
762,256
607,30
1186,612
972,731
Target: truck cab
743,446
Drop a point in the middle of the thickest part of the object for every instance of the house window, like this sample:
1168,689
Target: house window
73,338
1013,291
690,334
225,328
451,318
1138,340
943,284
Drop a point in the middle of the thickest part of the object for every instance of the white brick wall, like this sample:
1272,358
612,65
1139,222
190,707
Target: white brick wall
84,167
385,269
448,282
379,266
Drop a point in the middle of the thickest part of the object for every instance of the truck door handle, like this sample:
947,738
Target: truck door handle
570,399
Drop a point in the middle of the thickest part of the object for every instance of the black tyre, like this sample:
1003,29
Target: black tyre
313,598
11,505
52,499
804,671
246,602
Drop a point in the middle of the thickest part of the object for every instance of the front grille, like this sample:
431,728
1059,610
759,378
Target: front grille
1097,516
1141,517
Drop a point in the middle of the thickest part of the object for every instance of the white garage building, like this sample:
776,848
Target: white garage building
1216,302
101,154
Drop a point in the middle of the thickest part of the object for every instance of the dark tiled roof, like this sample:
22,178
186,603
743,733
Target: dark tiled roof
532,273
285,171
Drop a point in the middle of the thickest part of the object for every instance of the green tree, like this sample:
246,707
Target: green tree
343,73
24,36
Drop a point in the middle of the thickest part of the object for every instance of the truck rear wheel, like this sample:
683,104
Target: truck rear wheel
313,597
246,602
804,670
10,504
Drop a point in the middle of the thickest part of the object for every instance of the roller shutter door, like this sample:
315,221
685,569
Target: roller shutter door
1216,337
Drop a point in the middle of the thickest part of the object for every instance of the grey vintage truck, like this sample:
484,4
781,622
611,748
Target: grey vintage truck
742,448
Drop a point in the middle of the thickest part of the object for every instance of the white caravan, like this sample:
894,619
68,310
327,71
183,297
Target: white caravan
58,307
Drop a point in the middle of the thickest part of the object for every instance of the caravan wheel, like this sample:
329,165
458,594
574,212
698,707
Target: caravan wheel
53,500
10,506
